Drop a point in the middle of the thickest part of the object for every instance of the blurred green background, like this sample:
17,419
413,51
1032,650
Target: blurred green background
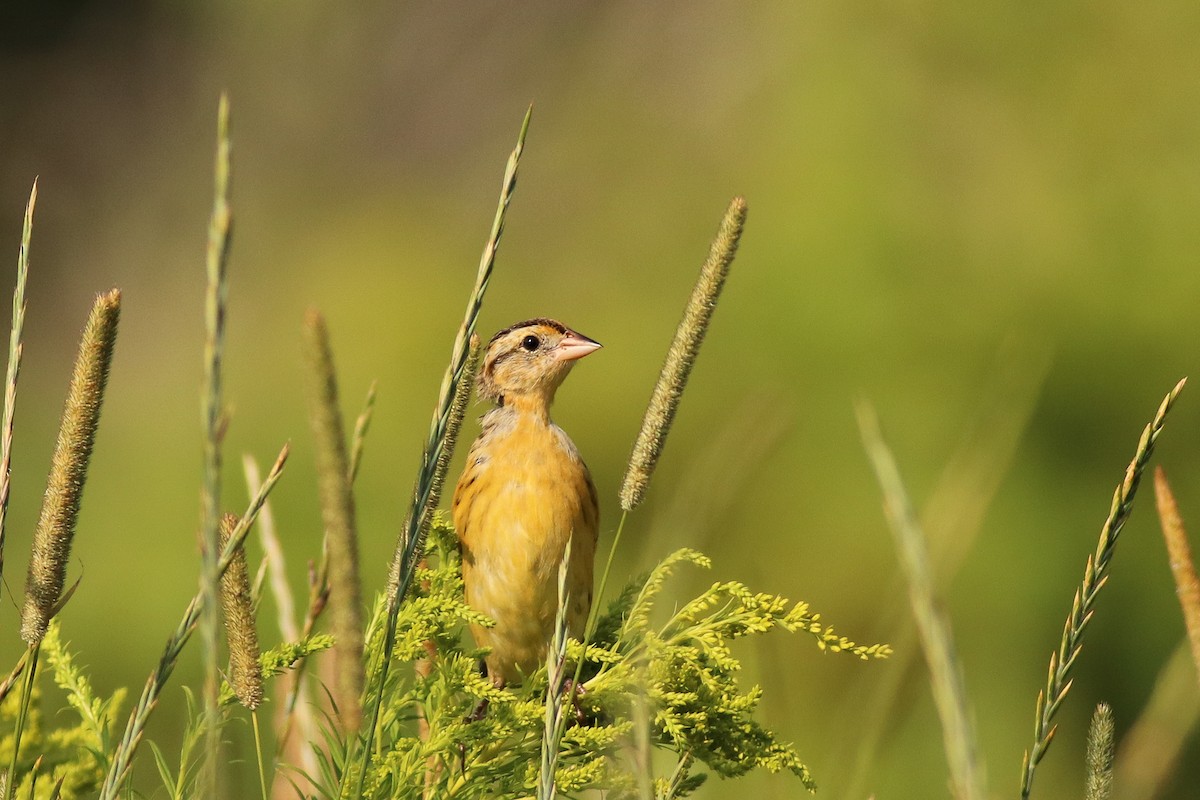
980,216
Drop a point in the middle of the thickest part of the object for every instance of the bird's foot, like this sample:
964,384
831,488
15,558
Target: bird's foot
576,691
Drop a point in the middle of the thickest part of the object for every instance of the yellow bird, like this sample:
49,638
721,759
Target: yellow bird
523,493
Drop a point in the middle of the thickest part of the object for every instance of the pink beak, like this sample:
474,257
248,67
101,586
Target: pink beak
575,346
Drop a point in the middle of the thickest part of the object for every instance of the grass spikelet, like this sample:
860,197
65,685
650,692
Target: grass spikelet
68,467
1095,575
672,380
16,348
337,512
1100,754
937,642
245,673
409,545
1179,552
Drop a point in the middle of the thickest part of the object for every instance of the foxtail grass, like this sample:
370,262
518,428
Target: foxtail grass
689,335
1095,575
16,347
441,438
937,642
241,633
122,761
1100,755
245,672
672,380
68,468
1179,553
337,512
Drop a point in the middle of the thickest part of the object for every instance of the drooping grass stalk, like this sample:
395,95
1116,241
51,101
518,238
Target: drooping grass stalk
689,335
216,263
937,641
409,544
16,347
122,760
1100,755
337,512
68,468
556,672
10,680
1095,575
245,672
1179,553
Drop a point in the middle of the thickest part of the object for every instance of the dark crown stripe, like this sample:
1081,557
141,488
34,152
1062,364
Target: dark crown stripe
529,323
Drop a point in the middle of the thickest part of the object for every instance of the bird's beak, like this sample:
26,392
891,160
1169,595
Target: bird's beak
575,346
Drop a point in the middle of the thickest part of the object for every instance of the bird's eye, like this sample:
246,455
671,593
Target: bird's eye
531,343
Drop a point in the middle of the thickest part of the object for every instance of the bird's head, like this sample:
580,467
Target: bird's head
528,361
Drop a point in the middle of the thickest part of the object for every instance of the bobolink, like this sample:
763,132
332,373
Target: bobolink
523,493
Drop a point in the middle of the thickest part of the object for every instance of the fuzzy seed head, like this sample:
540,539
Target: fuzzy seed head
689,335
68,468
245,672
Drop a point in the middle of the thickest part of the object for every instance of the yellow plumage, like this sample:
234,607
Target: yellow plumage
524,492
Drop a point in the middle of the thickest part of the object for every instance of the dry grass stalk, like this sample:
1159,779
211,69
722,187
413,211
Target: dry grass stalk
68,468
1183,569
337,512
245,672
689,335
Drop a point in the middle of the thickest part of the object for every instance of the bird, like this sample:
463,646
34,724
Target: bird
524,492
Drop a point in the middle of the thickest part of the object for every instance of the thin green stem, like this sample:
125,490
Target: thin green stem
258,752
10,784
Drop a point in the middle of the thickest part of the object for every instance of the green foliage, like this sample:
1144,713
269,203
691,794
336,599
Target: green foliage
75,755
445,730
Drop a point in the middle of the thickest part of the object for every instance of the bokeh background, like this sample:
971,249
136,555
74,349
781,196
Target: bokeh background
980,216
